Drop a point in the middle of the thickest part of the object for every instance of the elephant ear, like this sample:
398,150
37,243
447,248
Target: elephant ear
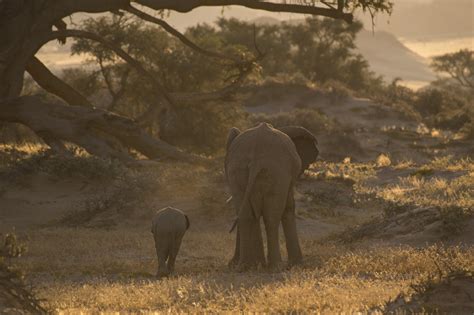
305,143
233,133
188,224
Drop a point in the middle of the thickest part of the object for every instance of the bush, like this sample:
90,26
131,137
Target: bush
202,128
63,166
336,91
308,118
443,109
15,298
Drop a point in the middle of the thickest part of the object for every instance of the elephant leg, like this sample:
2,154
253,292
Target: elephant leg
237,199
259,251
173,253
289,228
235,259
274,207
251,245
162,255
273,244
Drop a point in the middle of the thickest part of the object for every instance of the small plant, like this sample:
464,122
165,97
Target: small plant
13,293
63,166
308,118
383,160
336,91
434,295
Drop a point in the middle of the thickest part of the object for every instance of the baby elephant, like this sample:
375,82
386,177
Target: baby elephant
168,228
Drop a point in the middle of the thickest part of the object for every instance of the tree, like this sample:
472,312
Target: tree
26,25
458,65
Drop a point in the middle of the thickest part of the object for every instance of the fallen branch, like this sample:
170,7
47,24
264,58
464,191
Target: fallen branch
51,83
97,131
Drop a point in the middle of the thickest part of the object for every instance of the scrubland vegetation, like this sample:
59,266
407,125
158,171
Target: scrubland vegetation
107,263
385,215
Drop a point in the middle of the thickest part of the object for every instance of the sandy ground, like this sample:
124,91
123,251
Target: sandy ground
107,263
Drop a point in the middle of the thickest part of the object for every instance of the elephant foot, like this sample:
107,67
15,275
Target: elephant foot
294,263
162,274
275,267
246,266
232,264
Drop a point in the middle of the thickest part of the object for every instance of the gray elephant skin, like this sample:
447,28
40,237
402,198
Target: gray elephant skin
168,227
261,166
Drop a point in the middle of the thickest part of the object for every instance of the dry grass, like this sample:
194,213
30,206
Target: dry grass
443,182
96,270
435,191
111,271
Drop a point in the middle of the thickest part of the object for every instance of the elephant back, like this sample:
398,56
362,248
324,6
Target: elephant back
262,142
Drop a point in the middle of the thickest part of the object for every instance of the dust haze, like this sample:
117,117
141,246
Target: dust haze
235,159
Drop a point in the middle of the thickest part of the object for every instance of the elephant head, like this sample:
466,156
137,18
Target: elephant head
305,143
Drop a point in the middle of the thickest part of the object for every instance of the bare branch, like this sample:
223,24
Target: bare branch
51,83
188,5
116,95
94,129
168,28
159,89
245,67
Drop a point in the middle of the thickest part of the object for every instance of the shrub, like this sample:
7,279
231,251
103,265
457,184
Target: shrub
15,298
63,166
336,91
442,108
308,118
383,160
203,127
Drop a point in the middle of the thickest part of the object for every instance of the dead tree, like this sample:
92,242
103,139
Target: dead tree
27,25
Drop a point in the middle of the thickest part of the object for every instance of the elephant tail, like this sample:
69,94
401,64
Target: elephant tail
254,170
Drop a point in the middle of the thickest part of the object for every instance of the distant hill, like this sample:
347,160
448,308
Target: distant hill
386,55
428,19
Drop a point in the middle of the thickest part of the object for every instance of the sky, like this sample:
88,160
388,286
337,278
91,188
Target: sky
427,27
416,19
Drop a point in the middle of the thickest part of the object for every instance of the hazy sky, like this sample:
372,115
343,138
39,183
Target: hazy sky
410,18
427,27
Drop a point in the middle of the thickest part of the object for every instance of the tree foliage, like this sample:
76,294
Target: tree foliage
25,26
458,65
319,50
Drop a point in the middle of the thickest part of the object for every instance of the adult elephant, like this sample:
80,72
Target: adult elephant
262,165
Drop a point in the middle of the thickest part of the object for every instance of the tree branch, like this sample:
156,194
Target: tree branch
244,66
93,129
244,69
188,5
51,83
159,90
168,28
121,91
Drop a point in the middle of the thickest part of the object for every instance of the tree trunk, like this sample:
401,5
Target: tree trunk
24,26
95,130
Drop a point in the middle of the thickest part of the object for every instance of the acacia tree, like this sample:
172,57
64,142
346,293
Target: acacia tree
27,25
458,65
